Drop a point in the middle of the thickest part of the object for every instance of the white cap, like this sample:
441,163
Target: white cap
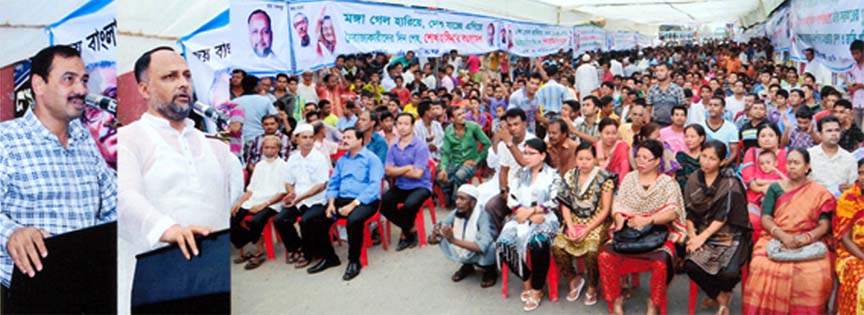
301,128
586,58
469,190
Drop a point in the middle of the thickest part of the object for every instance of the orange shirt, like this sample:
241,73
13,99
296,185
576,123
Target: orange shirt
733,65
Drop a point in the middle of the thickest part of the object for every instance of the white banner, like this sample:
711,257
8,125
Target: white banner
754,31
588,38
323,30
779,30
647,40
92,30
259,36
829,27
535,40
207,52
625,40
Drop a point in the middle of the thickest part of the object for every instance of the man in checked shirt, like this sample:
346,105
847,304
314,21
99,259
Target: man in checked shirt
53,179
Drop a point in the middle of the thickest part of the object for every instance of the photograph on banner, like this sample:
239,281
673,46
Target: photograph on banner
94,35
260,37
588,38
829,27
323,30
207,55
536,40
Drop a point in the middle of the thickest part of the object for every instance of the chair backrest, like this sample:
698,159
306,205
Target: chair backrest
432,170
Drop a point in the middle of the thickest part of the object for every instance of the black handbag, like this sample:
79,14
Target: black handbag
632,241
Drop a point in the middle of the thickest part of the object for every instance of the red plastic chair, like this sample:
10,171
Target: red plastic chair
268,237
551,279
694,291
634,266
420,220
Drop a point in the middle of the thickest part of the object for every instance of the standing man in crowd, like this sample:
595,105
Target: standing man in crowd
255,107
460,153
663,96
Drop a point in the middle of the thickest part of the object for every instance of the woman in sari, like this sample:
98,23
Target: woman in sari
533,224
645,197
757,181
718,240
611,150
668,164
796,212
849,235
585,196
694,137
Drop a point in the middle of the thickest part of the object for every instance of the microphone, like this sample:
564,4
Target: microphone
102,102
210,112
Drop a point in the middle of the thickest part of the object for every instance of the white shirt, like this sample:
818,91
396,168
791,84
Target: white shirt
696,114
447,83
430,82
506,158
166,177
306,172
616,67
830,172
437,132
267,181
733,105
308,92
586,80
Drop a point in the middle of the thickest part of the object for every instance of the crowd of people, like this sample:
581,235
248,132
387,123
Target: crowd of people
709,160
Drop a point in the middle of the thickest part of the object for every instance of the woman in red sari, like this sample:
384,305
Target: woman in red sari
612,153
757,181
849,235
796,212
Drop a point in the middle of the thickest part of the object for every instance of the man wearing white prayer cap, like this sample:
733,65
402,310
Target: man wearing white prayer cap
305,190
467,236
587,78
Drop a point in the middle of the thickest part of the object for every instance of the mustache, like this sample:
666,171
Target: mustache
77,96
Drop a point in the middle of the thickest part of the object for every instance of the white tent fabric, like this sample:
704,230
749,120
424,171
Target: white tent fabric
22,26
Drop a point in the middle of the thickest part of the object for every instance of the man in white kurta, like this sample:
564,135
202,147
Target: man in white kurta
174,182
586,77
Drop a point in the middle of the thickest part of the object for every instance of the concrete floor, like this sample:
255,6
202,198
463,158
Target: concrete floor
414,281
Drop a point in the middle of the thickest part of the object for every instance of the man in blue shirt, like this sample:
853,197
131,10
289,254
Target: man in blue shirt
353,193
53,179
255,107
408,163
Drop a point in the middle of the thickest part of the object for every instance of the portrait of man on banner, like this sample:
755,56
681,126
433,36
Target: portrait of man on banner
260,33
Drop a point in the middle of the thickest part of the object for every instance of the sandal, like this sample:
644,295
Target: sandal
489,279
650,307
590,298
621,312
524,296
243,258
709,303
463,272
255,262
292,258
722,308
574,293
533,303
302,262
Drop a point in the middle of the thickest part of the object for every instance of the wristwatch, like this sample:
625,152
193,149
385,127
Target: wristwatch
356,202
509,144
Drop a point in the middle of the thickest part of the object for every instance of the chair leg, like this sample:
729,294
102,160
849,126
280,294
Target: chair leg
504,281
552,281
268,240
694,295
381,228
634,280
367,242
420,225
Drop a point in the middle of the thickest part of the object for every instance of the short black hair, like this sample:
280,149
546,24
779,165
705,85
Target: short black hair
783,93
400,115
249,83
143,62
385,114
679,107
594,100
312,113
40,64
515,112
804,112
357,133
565,128
719,148
653,146
587,145
423,107
799,92
857,45
843,103
827,119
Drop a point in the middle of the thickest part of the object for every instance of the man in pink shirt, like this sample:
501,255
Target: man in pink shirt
674,133
474,67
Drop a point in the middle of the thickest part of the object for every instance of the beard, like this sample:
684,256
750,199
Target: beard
174,111
263,53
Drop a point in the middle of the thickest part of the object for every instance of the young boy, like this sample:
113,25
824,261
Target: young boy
803,134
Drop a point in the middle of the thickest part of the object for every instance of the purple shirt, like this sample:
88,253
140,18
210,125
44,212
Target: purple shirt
415,153
480,120
495,103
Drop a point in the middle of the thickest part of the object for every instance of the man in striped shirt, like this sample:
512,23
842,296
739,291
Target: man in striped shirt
53,179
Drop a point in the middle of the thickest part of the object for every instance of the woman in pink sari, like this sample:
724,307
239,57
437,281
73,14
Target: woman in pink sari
612,153
756,180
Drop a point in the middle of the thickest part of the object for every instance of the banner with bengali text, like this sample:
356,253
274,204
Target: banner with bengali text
829,27
92,30
322,30
588,38
779,30
535,40
625,40
207,51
